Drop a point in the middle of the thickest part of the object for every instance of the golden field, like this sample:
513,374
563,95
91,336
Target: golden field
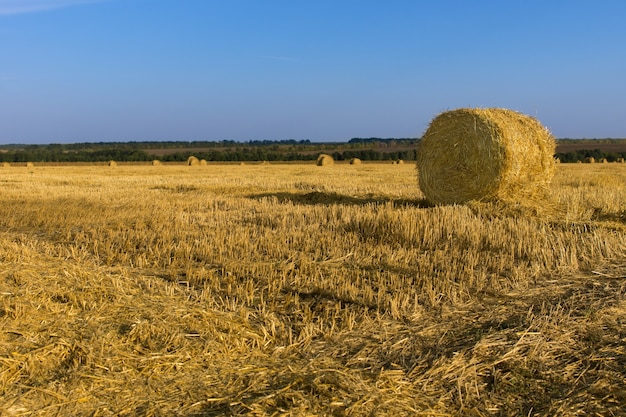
298,290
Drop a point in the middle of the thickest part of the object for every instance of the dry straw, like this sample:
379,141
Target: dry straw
156,162
30,164
399,162
620,160
112,163
355,161
603,161
203,162
590,160
486,155
6,164
192,161
324,160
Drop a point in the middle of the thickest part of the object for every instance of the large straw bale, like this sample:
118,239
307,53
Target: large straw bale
203,162
603,161
486,155
325,160
590,160
112,163
192,161
156,162
355,161
620,160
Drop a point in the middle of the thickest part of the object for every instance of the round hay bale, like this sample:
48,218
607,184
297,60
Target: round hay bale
156,162
399,162
620,160
603,161
590,160
579,162
203,162
324,160
193,161
485,155
30,164
355,161
112,163
6,164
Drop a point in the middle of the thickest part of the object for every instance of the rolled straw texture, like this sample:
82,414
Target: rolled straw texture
485,155
324,160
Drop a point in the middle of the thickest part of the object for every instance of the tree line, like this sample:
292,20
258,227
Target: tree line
366,149
582,154
240,155
374,149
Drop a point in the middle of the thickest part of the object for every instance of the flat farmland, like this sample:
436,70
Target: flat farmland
297,290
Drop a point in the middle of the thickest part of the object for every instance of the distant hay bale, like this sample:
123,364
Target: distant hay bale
192,161
30,164
242,163
203,162
156,162
557,160
579,162
590,160
6,164
620,160
324,160
603,161
399,162
355,161
112,163
485,155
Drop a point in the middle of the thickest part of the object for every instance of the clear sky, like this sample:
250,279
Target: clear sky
323,70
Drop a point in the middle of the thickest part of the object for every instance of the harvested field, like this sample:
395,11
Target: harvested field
291,290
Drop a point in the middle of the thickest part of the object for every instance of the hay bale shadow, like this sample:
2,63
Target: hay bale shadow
326,198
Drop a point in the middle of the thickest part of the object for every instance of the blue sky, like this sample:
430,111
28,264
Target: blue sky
323,70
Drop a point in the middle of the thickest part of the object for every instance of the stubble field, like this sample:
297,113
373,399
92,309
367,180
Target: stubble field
272,290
